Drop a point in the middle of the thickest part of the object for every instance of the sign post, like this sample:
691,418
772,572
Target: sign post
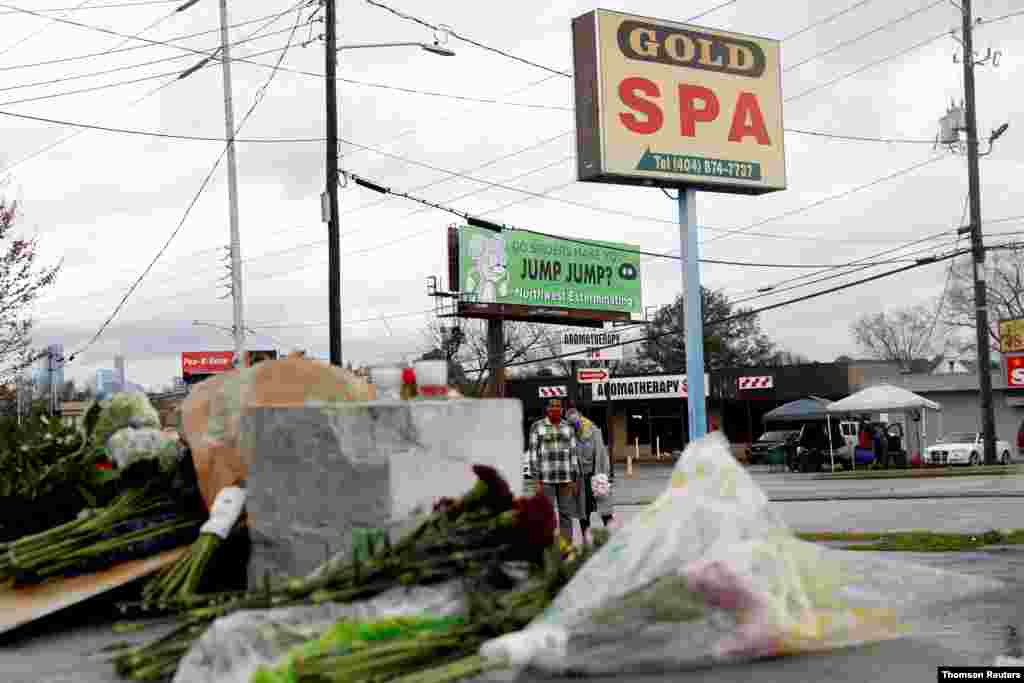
691,317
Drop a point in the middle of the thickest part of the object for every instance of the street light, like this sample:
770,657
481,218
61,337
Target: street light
330,198
435,48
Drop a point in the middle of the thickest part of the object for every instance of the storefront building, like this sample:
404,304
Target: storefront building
648,413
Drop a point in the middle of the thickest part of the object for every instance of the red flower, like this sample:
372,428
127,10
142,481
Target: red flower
409,376
499,496
537,521
106,465
448,506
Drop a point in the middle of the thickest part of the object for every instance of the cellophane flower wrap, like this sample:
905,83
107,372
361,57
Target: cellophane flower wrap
710,573
601,485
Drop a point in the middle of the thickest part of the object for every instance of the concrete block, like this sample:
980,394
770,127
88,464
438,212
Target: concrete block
318,473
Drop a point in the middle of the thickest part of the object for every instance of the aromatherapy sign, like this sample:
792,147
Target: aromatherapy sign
517,267
669,104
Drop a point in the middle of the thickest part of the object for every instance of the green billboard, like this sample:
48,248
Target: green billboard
524,268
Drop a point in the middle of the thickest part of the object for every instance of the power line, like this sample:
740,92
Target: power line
119,49
40,30
857,39
860,138
470,41
717,7
877,62
949,277
841,195
753,312
118,69
826,20
256,101
391,316
43,150
118,84
385,190
300,247
118,5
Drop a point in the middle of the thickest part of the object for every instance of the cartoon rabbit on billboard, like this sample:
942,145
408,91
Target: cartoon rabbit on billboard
487,278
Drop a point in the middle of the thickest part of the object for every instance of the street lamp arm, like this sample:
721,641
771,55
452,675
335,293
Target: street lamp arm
429,47
356,46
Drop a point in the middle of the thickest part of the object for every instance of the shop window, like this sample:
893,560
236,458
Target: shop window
638,426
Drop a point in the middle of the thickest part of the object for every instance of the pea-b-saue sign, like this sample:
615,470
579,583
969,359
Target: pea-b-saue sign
672,105
524,268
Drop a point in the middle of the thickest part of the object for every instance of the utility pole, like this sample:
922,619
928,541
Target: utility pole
236,248
977,244
496,354
330,208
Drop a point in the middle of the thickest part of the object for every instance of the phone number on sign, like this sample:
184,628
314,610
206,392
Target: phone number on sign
713,167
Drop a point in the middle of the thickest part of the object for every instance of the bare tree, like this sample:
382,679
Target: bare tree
901,335
783,357
21,282
523,342
1004,284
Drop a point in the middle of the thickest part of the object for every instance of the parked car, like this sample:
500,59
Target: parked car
767,442
964,448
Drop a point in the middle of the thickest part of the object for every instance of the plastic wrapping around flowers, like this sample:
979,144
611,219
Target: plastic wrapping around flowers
236,646
601,486
709,573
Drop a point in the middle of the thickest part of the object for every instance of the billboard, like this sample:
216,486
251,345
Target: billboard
1015,371
660,103
195,364
645,387
1011,336
517,274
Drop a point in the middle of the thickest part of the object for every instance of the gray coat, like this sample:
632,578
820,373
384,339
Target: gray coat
594,458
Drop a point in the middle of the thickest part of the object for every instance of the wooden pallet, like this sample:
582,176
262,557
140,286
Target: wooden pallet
20,606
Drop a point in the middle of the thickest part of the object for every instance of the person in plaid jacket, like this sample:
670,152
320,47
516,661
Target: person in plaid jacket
555,466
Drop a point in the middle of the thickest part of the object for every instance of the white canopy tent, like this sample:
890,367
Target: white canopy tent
884,398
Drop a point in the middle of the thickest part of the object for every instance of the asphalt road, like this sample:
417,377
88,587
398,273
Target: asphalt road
67,648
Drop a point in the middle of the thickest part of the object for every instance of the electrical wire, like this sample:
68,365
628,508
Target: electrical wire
857,39
470,41
822,22
870,65
813,205
47,148
173,39
390,316
747,314
121,68
209,176
717,7
42,29
200,138
117,5
860,138
945,285
277,253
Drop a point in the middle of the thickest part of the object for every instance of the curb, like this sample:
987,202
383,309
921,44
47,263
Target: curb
851,497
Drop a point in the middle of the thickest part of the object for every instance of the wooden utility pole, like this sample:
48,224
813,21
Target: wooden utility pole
977,244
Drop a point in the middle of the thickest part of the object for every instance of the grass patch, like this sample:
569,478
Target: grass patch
918,541
929,472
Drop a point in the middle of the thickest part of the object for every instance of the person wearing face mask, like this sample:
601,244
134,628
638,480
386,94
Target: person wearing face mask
554,465
593,457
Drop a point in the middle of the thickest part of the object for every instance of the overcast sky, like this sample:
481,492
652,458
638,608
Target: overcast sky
106,202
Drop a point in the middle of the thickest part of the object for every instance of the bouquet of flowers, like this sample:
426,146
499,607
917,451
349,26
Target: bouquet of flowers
471,536
601,486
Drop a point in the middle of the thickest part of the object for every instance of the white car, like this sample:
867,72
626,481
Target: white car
964,448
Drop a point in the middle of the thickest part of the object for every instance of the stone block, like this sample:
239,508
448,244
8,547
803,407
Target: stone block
318,473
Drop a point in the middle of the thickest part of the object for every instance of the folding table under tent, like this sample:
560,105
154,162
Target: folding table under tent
884,398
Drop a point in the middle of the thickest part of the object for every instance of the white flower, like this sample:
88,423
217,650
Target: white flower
601,486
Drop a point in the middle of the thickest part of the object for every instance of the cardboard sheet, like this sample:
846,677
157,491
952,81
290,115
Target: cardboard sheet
19,606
